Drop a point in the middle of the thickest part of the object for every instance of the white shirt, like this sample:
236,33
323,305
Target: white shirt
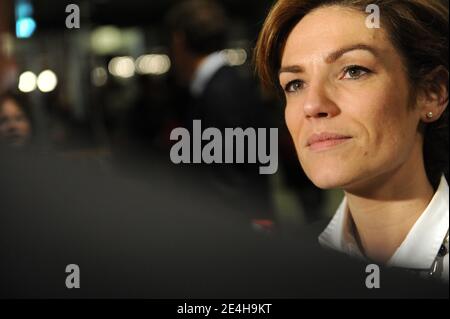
206,70
419,249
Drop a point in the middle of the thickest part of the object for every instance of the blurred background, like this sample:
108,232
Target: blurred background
109,93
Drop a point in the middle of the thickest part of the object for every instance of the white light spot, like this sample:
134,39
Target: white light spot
236,57
155,64
47,81
106,40
27,82
122,67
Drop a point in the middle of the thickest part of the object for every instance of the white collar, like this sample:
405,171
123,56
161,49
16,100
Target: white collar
421,245
206,70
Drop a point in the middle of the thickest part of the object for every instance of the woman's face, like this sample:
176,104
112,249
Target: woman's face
348,100
15,127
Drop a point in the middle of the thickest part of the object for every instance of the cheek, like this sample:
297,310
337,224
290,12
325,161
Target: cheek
293,119
387,126
388,117
24,127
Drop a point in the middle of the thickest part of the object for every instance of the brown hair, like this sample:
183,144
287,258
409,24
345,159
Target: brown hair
417,28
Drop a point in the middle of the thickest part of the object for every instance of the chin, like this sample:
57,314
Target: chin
329,177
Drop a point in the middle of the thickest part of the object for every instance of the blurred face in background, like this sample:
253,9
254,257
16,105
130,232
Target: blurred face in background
348,101
15,127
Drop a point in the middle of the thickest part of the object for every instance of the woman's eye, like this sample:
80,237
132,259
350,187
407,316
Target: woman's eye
355,72
293,86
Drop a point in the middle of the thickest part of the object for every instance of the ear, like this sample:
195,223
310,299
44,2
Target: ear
433,95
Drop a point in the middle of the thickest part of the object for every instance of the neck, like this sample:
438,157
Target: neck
384,215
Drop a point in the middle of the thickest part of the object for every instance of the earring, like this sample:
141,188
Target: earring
430,115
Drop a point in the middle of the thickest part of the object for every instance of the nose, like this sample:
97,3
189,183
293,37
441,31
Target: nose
319,103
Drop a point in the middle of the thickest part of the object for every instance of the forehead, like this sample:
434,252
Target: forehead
9,106
329,28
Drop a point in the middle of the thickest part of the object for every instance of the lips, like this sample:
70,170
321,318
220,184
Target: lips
326,140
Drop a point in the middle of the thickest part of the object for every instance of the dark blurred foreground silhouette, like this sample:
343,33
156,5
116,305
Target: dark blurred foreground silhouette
164,239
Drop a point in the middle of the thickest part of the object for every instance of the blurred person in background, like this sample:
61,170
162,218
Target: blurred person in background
15,120
222,95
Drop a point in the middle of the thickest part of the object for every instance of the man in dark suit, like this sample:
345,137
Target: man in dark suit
223,96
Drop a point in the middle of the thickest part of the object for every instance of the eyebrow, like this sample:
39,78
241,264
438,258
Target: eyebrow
332,57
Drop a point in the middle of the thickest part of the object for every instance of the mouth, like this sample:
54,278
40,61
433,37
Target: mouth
325,141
